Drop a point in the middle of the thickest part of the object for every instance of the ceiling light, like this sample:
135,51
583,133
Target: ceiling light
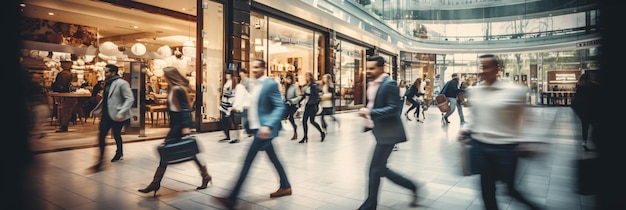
50,13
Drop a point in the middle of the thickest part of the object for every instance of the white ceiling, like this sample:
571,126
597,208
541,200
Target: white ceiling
116,23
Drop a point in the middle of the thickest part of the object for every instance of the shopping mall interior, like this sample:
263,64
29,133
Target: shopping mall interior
543,45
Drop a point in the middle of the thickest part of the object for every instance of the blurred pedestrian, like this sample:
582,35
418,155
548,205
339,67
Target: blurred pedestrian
181,123
383,119
115,110
496,127
264,115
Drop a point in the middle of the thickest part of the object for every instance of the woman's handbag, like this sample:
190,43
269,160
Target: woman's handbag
179,151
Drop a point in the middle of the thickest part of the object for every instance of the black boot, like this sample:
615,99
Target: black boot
155,185
206,178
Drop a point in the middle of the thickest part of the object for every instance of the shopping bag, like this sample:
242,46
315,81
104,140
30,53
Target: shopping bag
471,158
442,103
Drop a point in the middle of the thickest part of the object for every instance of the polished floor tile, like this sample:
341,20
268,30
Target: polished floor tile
324,175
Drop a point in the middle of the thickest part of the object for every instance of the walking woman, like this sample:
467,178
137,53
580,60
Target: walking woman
312,98
180,124
226,106
403,89
411,97
292,100
584,106
326,101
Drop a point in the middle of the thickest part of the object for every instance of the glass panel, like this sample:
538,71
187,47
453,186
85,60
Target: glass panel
351,75
290,51
258,36
213,61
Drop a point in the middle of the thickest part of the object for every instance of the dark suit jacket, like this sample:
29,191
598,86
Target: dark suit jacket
388,126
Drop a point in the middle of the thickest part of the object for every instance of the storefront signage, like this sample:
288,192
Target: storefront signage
588,43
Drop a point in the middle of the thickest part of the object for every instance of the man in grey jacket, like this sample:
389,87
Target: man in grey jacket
114,109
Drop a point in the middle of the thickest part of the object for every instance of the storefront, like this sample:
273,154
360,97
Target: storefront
93,42
417,65
349,75
288,48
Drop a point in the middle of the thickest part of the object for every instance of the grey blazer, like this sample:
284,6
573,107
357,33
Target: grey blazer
388,126
292,94
120,99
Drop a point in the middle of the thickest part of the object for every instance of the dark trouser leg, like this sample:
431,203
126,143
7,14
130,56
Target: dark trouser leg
116,129
322,116
269,149
585,127
312,114
413,105
291,110
69,105
417,110
378,168
252,151
488,181
508,166
103,129
225,123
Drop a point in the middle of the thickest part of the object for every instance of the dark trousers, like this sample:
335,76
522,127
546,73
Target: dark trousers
414,105
327,111
289,114
106,124
309,114
499,163
226,122
256,146
69,104
378,169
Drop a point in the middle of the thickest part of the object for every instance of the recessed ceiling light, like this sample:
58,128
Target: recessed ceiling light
50,13
135,27
22,5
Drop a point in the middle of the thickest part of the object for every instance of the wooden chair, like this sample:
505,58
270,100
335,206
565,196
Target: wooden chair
159,108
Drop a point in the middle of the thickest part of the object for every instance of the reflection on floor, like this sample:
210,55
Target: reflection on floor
324,175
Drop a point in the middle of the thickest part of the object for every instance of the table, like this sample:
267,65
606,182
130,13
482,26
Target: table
58,98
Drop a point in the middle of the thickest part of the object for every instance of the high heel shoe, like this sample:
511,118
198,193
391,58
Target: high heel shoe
407,116
206,178
304,140
153,187
323,136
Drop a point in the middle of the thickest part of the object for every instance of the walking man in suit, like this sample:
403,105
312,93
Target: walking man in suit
264,115
383,119
115,110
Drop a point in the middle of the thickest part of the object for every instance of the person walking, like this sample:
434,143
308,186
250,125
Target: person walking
241,103
115,110
497,107
412,95
451,90
584,105
179,108
312,98
226,105
264,114
383,119
292,100
326,101
62,84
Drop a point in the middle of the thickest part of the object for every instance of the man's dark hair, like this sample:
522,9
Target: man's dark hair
112,68
262,62
66,65
245,71
491,56
380,61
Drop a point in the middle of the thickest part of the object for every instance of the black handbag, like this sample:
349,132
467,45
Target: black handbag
179,151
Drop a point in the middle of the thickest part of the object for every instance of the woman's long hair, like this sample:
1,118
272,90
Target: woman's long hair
417,83
309,78
402,83
327,79
174,78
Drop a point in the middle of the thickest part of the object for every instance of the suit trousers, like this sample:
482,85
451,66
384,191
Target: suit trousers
499,163
256,146
378,169
106,124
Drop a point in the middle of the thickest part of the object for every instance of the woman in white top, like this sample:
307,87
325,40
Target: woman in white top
402,87
327,100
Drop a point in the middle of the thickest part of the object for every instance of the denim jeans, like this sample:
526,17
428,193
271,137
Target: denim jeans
454,104
256,146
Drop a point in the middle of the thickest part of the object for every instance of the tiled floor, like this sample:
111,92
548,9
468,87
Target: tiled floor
324,175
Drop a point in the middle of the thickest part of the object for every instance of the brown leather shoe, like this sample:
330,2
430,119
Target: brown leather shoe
226,202
281,192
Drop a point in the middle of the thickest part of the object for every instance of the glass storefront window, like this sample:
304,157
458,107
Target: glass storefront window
290,50
212,61
350,73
